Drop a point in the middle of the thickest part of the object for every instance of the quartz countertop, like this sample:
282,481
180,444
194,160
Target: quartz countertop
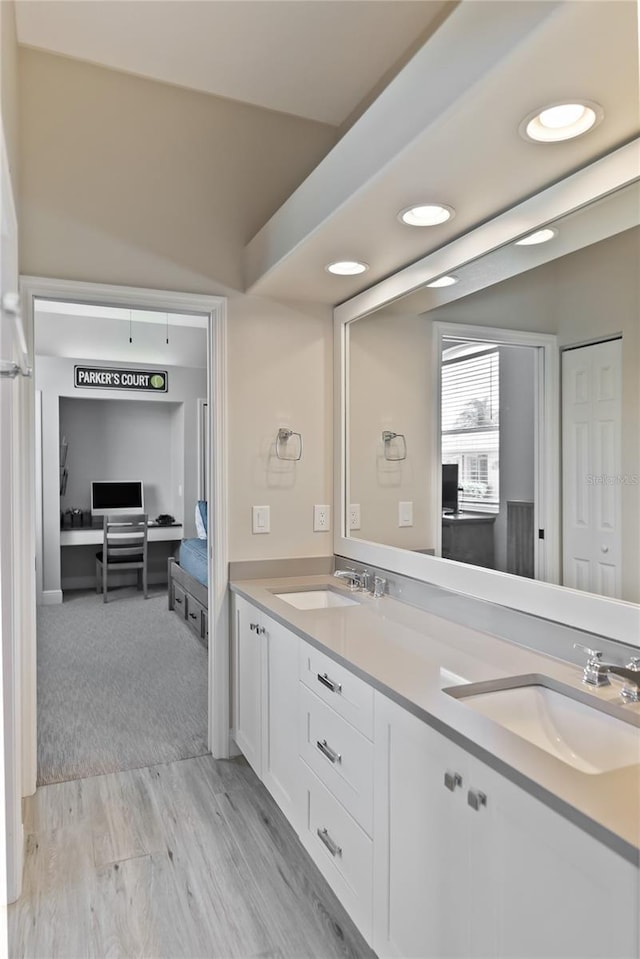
400,650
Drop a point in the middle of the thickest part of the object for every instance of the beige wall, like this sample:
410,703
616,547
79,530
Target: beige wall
389,370
586,296
129,181
9,84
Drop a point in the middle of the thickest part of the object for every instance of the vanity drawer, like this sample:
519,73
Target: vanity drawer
339,755
335,685
340,849
179,600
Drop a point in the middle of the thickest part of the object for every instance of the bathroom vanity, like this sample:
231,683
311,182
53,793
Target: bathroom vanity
442,831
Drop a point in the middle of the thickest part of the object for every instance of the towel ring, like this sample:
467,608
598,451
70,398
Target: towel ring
400,449
283,452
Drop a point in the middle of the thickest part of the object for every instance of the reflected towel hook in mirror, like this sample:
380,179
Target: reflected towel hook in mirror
401,447
283,451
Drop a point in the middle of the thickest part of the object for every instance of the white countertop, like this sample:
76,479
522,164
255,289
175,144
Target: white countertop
400,650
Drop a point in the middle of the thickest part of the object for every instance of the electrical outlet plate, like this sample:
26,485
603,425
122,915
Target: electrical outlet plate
321,519
354,516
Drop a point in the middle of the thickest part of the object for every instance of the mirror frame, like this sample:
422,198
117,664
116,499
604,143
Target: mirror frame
616,619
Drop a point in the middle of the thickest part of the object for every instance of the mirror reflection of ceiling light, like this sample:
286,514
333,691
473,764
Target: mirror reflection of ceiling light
442,281
561,121
347,267
426,214
540,236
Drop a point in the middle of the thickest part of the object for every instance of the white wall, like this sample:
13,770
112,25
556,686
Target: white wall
390,389
55,378
129,181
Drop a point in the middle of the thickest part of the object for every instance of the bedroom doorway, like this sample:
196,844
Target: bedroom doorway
157,436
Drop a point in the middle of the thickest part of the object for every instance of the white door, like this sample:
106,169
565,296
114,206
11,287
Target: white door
591,456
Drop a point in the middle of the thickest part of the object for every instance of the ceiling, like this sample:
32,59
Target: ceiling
438,89
312,58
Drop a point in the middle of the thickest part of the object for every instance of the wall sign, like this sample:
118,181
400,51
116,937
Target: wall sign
110,378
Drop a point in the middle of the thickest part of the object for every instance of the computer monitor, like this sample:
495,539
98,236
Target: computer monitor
116,497
450,487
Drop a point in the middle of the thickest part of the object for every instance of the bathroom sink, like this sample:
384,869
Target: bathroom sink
556,718
317,599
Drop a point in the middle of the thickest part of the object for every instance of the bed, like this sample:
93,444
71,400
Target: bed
188,578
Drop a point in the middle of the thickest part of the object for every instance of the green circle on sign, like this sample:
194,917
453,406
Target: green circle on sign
157,381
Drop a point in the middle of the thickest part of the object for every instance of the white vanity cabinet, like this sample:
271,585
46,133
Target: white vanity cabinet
469,864
266,701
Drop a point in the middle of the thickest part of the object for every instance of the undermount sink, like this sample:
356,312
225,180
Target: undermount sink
317,599
557,720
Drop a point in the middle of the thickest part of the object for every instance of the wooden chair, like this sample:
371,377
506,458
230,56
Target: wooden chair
124,546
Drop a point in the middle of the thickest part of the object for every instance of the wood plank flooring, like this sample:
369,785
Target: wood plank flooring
188,859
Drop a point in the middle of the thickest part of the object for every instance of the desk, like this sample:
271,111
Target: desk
468,538
93,536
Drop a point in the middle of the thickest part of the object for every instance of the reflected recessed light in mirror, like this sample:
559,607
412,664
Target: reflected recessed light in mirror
347,267
426,214
443,281
561,121
540,236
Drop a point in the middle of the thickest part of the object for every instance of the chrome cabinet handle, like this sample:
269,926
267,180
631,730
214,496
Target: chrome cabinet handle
476,799
329,683
253,626
328,751
259,629
178,600
332,846
451,780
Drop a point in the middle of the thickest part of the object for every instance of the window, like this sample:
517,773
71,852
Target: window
470,421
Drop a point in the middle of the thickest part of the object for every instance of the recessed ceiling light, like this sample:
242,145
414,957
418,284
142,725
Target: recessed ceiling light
347,267
561,121
426,214
443,281
540,236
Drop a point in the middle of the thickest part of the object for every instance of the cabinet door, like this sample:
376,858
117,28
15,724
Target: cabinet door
248,683
421,868
552,889
280,764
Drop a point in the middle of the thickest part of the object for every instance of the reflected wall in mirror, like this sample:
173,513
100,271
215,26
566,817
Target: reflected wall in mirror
580,298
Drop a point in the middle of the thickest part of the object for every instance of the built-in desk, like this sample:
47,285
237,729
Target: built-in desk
93,535
468,538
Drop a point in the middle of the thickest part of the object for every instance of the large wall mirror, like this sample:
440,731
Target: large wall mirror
491,427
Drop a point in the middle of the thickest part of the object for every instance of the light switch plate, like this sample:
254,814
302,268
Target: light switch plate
405,514
261,519
321,519
354,516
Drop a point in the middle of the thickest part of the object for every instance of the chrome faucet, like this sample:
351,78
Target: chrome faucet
596,673
355,580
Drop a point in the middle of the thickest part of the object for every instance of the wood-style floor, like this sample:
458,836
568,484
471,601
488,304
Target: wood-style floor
188,859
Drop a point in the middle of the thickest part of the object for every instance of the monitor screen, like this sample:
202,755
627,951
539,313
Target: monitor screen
450,487
116,497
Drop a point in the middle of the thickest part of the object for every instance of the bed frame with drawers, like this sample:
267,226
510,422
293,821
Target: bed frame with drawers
189,599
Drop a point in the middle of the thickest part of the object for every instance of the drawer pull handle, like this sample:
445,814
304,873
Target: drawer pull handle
475,798
193,615
451,780
329,683
178,601
328,751
332,846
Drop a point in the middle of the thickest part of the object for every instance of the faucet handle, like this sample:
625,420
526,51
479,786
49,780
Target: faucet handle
593,654
634,664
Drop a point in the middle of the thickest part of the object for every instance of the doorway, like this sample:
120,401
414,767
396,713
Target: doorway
213,311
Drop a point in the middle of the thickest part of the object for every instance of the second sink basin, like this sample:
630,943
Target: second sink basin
580,734
316,599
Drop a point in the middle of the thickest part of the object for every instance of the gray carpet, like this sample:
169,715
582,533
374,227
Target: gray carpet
121,685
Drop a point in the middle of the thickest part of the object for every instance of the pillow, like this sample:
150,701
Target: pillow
201,519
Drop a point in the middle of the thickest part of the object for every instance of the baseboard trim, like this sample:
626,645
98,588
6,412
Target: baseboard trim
121,579
51,597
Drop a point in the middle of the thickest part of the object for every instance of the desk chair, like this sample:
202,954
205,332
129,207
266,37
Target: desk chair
124,546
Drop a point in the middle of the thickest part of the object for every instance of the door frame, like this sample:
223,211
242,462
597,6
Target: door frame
547,432
34,287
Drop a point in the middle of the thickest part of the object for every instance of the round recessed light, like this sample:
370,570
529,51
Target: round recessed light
540,236
347,267
443,281
561,121
426,214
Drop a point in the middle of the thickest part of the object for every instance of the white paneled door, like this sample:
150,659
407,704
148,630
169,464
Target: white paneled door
592,469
